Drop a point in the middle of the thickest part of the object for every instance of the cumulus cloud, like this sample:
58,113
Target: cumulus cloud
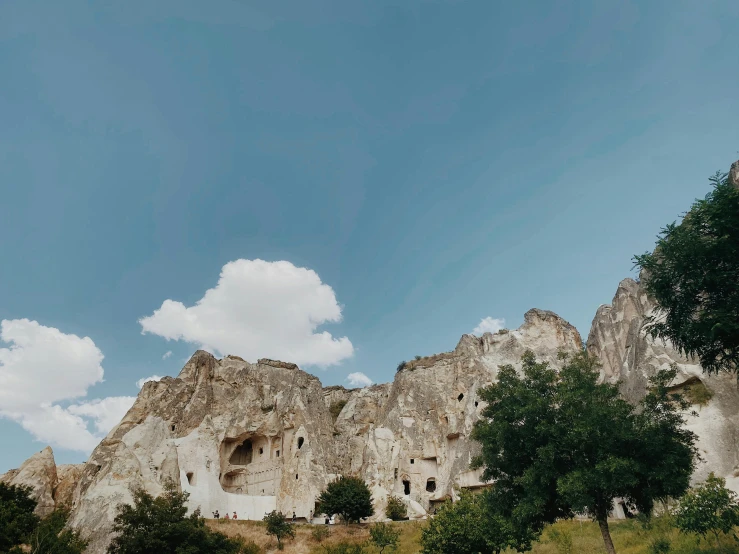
140,382
489,325
41,368
167,354
358,379
257,310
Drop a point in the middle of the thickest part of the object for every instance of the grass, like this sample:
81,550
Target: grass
336,407
565,537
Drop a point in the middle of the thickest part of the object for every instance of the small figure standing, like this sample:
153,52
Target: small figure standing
234,517
217,515
227,516
293,517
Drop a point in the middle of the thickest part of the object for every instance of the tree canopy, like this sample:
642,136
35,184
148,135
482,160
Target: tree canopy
162,525
558,444
17,520
349,497
467,526
709,508
693,275
279,527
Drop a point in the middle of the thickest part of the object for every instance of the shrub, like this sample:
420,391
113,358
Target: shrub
418,358
401,366
384,535
349,497
395,509
336,408
562,539
709,508
162,525
320,533
697,393
17,519
279,527
659,546
503,331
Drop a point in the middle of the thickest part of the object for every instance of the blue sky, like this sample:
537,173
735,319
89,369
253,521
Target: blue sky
433,163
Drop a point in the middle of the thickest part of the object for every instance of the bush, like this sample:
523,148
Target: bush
396,509
279,527
349,497
50,537
320,533
401,366
162,525
562,539
659,546
17,520
384,535
697,394
336,408
709,508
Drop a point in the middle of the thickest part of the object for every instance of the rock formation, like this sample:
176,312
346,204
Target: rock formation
252,438
51,485
617,337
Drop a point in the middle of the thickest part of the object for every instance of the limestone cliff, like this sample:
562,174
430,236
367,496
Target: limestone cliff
617,337
254,437
51,485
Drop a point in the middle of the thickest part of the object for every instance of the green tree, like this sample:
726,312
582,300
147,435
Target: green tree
349,497
17,520
558,444
467,526
709,508
693,275
50,536
395,509
384,535
279,527
162,525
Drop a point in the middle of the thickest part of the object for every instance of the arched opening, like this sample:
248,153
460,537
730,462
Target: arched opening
300,442
406,487
431,485
242,455
278,454
296,476
460,397
190,478
476,403
173,427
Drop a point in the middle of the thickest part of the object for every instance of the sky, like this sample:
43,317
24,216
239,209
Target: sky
338,183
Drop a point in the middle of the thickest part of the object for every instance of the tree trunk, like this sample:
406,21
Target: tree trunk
603,524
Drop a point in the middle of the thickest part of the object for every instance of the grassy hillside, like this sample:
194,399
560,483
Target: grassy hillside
567,537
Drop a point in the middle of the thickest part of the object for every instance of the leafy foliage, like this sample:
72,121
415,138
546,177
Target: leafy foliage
401,366
50,536
349,497
320,533
395,509
384,535
659,546
693,274
336,407
162,525
709,508
279,527
560,444
17,520
467,526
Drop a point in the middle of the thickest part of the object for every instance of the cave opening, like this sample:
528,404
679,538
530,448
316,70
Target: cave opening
300,442
431,485
242,455
460,397
406,487
190,478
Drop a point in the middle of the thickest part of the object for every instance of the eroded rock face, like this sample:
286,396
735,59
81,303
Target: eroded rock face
617,337
254,437
51,486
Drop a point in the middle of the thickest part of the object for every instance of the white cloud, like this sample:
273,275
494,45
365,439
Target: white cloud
140,382
44,366
257,310
167,354
489,325
358,379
